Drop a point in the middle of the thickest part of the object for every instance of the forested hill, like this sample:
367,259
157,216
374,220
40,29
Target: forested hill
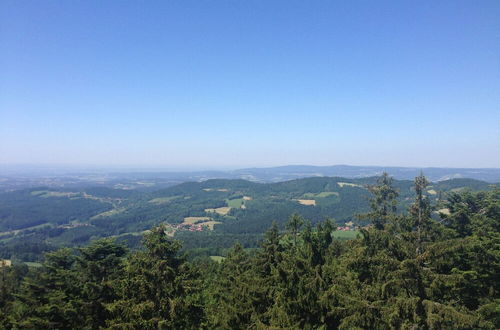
210,214
408,270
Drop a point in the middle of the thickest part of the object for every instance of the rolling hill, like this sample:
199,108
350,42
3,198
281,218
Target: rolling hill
200,213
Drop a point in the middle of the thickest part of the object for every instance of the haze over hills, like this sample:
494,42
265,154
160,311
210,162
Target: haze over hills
21,177
282,173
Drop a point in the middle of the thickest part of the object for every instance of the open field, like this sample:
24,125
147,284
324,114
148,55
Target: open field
342,184
202,221
163,200
33,264
194,220
209,224
309,202
217,258
235,203
432,191
247,198
320,195
220,210
444,211
46,193
108,213
350,234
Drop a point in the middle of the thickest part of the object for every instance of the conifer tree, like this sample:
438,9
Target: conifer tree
159,291
383,204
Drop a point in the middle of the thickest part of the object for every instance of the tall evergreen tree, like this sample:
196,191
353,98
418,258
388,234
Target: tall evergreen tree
383,203
160,290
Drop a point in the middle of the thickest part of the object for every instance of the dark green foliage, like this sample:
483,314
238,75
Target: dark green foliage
159,289
409,272
22,209
38,220
383,203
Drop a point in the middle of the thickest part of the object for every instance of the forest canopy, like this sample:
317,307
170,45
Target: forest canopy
409,270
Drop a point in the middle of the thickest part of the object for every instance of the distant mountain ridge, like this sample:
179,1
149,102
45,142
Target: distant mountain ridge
154,179
283,173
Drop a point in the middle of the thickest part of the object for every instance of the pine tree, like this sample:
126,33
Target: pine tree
383,204
159,290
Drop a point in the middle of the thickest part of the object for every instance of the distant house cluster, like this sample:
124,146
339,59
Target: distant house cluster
188,227
345,228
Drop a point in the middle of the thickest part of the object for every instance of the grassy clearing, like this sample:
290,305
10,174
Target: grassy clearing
217,258
350,234
327,194
220,210
308,202
33,264
210,224
108,213
194,220
320,195
235,203
432,191
46,194
163,200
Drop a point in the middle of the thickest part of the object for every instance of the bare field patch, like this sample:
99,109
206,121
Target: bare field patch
432,191
444,211
247,198
307,202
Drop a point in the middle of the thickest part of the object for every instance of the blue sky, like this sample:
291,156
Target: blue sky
220,84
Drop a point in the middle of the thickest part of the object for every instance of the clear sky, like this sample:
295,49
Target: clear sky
250,83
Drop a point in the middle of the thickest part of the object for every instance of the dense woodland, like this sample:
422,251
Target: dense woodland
40,220
407,271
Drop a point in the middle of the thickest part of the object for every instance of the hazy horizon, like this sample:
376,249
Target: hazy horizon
190,84
167,168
